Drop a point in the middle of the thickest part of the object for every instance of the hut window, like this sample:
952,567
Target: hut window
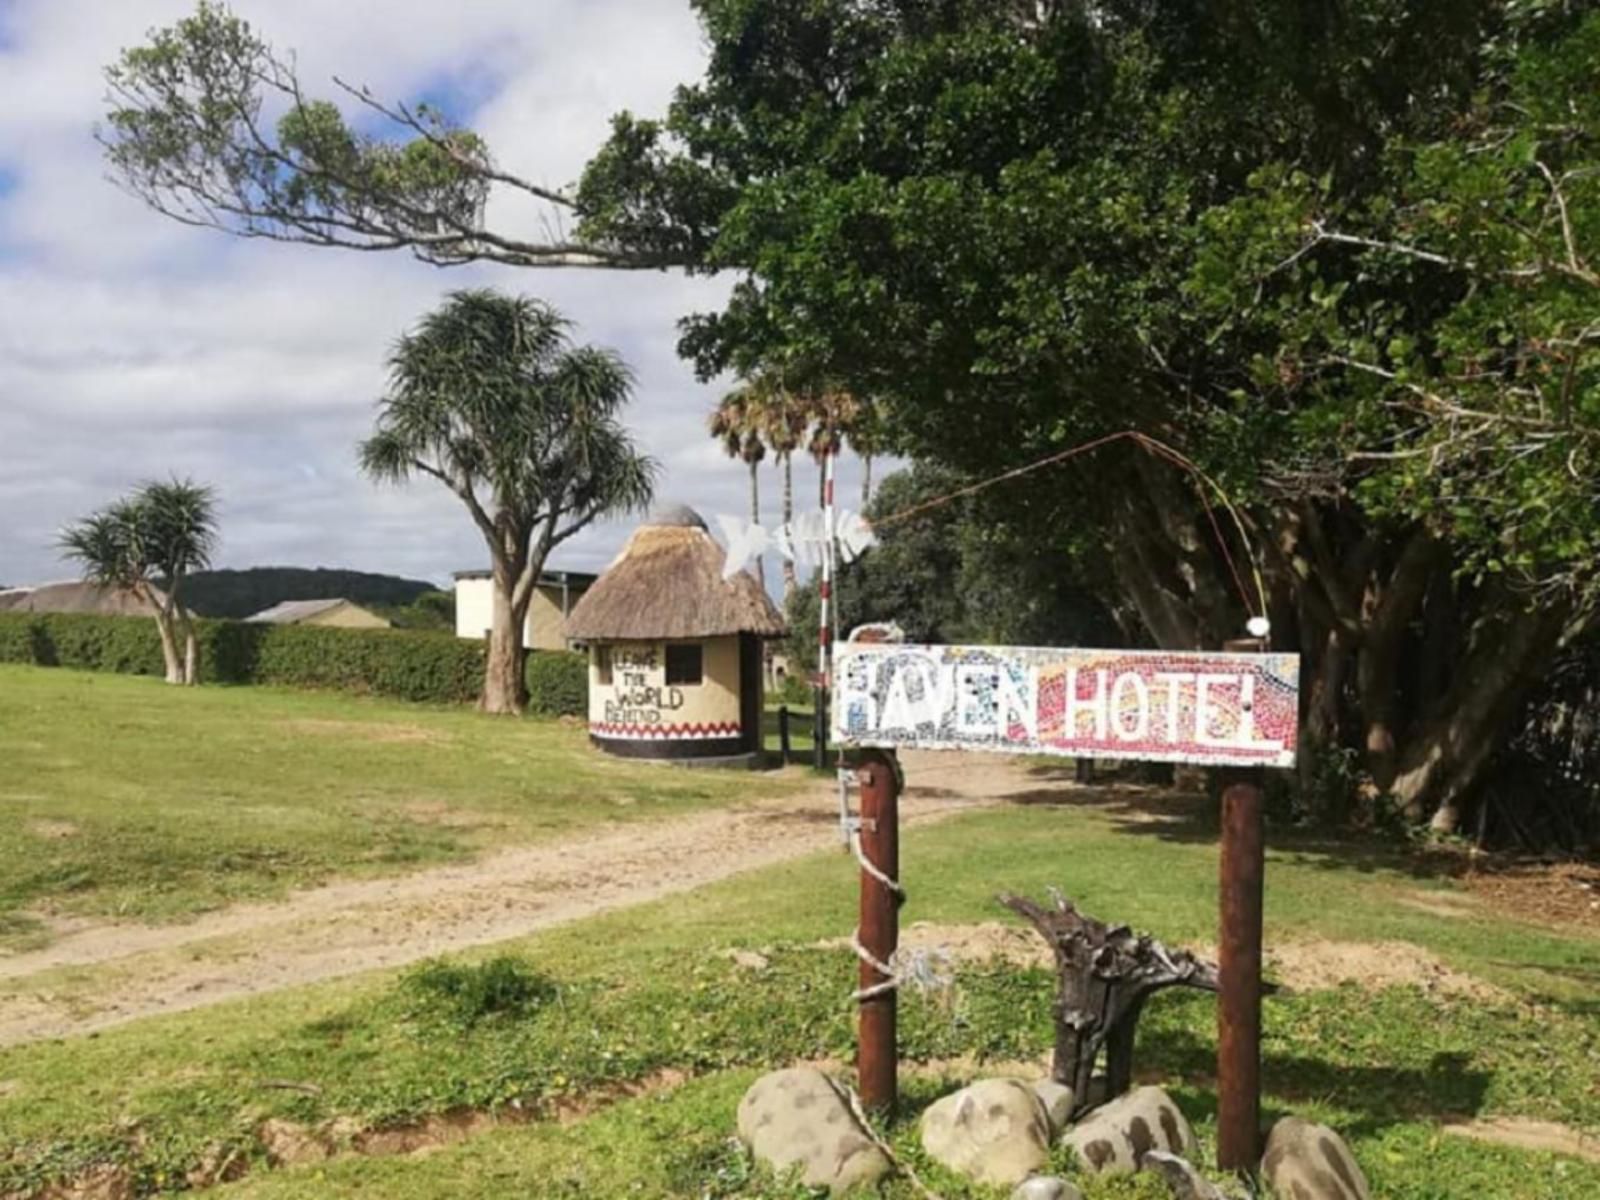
683,665
602,665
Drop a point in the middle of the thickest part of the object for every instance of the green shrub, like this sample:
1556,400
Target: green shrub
795,691
404,664
461,995
383,662
127,645
558,683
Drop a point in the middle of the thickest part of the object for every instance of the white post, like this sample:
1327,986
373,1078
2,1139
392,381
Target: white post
824,626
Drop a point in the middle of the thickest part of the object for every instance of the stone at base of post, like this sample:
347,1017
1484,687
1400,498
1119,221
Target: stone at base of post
877,1051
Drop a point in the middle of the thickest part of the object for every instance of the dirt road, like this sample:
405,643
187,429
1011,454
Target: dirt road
103,974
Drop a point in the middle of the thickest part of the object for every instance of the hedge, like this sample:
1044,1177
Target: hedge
383,662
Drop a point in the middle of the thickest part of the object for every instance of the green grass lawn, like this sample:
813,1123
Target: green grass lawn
122,796
543,1022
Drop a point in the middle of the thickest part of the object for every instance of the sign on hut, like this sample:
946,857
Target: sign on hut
675,649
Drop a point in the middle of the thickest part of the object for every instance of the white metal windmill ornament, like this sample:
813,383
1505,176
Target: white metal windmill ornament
803,540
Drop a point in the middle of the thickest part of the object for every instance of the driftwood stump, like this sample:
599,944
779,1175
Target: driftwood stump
1106,973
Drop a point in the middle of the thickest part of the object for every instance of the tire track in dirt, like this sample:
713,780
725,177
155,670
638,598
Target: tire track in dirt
99,975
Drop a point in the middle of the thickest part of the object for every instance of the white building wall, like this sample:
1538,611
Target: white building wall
474,608
545,628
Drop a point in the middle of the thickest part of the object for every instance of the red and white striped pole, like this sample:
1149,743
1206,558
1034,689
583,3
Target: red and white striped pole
824,624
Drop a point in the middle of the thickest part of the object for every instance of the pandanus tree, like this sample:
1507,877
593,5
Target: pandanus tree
162,530
736,423
489,397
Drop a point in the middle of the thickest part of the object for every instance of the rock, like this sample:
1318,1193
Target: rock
1186,1183
1046,1187
1306,1161
1057,1100
995,1131
1114,1138
799,1118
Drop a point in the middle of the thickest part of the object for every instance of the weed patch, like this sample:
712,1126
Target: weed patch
461,995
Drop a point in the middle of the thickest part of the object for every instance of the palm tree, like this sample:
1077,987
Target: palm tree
736,422
783,423
489,397
160,531
865,435
832,411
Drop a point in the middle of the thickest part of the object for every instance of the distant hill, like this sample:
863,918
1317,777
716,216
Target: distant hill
240,593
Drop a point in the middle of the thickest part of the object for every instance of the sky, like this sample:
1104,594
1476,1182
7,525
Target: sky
133,347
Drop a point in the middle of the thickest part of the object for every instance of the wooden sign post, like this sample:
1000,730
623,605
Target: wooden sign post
1237,709
1241,888
879,931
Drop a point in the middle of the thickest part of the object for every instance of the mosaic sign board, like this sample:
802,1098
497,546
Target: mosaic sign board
1155,706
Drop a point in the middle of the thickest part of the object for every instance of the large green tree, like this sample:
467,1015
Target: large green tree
489,397
162,530
1337,255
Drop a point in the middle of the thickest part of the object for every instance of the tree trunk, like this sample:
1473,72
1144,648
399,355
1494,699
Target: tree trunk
505,685
169,649
755,519
191,654
790,583
866,481
1446,757
164,627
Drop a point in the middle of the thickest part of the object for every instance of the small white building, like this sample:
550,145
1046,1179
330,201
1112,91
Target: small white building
553,598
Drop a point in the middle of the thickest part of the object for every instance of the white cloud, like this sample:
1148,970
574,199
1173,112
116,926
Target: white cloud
131,346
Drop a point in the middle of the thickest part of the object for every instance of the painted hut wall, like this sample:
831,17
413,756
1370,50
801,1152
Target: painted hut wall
638,705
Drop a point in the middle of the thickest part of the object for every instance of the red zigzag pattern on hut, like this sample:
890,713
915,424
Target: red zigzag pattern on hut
709,729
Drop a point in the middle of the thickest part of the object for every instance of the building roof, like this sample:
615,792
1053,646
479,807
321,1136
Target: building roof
570,579
291,612
78,596
667,583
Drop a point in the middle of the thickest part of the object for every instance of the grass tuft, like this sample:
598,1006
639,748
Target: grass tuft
463,994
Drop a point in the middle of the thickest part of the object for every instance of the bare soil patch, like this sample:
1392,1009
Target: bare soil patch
1449,905
1561,894
984,941
1310,965
1301,966
366,731
105,973
1524,1133
51,830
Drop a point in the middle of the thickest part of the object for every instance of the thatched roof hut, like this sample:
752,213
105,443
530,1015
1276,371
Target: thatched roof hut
675,654
667,583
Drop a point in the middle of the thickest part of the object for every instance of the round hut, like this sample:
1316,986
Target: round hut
675,649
